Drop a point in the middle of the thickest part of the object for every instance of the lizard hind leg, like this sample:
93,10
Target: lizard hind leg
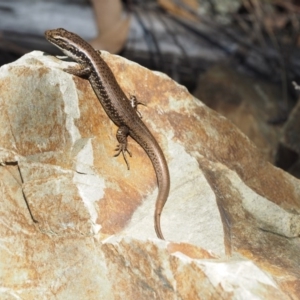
121,135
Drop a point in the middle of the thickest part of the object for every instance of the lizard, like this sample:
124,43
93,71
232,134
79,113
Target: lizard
121,111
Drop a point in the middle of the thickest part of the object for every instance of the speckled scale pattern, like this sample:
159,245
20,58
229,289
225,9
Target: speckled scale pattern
116,105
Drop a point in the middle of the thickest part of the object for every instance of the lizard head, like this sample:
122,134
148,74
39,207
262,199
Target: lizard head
70,43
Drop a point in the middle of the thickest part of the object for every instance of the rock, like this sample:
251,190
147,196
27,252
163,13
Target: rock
248,102
290,142
76,224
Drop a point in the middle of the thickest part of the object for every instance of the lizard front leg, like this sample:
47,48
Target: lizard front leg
121,135
80,71
134,104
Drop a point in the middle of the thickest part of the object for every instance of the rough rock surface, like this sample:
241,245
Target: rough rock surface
247,102
76,224
290,139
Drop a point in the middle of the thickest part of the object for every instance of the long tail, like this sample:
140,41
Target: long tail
151,147
163,180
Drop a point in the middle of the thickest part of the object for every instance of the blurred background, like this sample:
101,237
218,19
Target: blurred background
240,57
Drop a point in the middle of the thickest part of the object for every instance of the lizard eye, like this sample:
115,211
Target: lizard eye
67,46
62,42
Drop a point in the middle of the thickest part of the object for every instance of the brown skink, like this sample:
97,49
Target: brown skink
117,106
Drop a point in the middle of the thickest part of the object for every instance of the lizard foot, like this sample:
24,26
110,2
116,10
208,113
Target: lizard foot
123,148
134,103
122,134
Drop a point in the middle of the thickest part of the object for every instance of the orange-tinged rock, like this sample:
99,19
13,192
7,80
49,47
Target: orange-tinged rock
76,224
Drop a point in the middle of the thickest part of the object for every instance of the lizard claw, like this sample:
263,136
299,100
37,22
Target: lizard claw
134,103
122,148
